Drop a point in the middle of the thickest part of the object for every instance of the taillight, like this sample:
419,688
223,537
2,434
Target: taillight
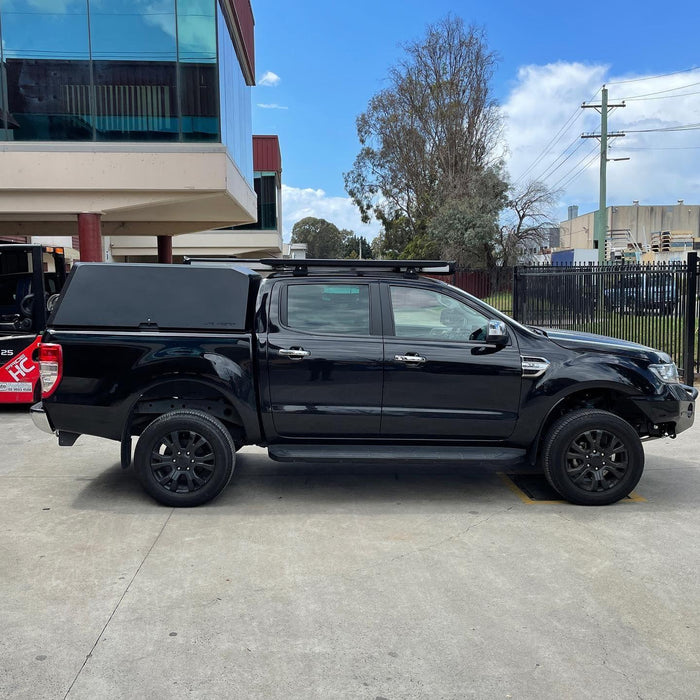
50,367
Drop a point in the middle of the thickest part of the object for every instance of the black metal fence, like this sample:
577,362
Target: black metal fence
655,305
493,286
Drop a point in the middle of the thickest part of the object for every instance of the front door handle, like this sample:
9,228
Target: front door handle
412,359
294,353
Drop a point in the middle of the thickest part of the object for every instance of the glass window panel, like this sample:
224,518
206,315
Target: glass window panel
134,50
267,202
328,308
196,30
265,186
125,30
235,105
45,64
199,89
422,313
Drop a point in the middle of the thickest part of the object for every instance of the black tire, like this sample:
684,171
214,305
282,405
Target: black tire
592,457
184,458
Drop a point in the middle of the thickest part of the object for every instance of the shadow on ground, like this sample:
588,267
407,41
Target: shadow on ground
261,486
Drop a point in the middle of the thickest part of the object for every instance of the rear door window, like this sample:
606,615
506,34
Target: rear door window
328,308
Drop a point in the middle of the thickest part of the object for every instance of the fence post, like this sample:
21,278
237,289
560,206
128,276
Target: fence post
516,296
689,329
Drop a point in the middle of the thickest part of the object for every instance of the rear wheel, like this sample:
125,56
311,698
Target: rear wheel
184,458
592,457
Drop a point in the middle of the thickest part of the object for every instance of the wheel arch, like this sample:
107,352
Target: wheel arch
610,398
173,393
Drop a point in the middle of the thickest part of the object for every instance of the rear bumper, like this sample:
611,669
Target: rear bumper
672,411
40,419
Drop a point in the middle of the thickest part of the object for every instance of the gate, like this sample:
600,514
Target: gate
655,305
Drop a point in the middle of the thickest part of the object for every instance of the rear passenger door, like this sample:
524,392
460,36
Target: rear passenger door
324,358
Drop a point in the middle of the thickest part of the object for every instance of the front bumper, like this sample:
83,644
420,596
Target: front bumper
40,419
672,411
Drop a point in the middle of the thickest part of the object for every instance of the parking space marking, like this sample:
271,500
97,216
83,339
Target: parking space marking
633,497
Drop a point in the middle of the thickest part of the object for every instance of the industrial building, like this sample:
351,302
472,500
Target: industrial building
637,232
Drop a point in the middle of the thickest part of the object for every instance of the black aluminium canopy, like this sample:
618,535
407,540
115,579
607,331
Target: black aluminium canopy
137,295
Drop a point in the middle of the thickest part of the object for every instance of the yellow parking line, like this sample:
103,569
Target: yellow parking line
633,497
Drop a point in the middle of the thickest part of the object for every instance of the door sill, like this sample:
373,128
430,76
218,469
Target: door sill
390,453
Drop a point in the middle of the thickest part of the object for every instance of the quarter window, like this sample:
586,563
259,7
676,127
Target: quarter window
426,314
328,308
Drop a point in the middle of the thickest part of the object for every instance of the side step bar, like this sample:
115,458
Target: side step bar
389,453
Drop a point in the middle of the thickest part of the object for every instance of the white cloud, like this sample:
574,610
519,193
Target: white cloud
269,79
55,7
51,6
298,203
545,97
271,106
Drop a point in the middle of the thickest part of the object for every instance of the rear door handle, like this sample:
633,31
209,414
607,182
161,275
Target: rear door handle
294,353
410,359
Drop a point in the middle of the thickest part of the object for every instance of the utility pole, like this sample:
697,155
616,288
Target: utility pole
601,223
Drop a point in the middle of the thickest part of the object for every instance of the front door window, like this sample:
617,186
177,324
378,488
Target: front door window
429,315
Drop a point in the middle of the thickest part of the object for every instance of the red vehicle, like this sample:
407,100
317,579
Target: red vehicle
31,277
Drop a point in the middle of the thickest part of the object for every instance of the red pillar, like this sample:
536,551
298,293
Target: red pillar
165,249
90,235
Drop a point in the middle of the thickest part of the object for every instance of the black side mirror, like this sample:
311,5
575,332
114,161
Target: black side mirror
497,332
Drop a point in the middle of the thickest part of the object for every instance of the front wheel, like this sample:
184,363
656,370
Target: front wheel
592,457
184,458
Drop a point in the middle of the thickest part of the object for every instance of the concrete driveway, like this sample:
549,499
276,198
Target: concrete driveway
341,582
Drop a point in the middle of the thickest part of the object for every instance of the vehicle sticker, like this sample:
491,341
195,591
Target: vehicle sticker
20,373
16,387
19,368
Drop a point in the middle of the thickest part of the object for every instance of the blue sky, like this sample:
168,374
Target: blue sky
331,57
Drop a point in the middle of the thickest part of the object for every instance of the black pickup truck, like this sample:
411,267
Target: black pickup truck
339,361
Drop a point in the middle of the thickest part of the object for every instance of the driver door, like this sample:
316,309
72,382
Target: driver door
441,379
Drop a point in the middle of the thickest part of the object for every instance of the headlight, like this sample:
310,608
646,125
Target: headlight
666,372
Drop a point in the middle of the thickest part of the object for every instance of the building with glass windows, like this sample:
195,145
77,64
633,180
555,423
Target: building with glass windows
261,239
125,118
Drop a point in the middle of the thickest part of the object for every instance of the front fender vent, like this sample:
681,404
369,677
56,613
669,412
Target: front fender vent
533,366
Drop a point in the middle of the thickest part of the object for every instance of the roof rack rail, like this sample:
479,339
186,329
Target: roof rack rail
189,259
435,267
301,266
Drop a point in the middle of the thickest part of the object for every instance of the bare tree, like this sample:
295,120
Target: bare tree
429,134
527,216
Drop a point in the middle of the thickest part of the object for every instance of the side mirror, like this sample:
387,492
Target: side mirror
497,332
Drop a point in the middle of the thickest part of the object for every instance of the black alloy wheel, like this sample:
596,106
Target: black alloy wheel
596,460
184,458
182,461
592,457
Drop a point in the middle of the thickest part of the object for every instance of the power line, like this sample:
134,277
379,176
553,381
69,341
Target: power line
653,148
653,77
585,167
549,172
557,137
659,92
663,97
588,155
682,127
